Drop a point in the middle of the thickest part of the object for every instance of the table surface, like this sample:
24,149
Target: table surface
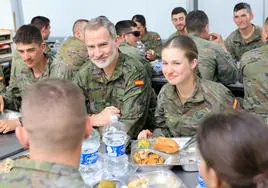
9,145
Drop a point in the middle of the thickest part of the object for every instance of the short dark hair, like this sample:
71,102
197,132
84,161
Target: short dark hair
235,146
266,21
242,5
40,22
77,24
184,43
124,26
196,21
139,18
178,10
28,34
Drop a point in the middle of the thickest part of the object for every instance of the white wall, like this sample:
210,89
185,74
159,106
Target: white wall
220,13
6,18
63,13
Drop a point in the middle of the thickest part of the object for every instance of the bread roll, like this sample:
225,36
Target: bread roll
166,145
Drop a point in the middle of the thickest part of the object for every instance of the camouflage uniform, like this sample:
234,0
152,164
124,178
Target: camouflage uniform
254,75
16,64
174,119
2,80
25,78
152,41
72,52
236,45
30,173
128,89
214,63
176,33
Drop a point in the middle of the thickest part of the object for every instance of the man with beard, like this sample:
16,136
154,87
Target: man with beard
178,16
115,83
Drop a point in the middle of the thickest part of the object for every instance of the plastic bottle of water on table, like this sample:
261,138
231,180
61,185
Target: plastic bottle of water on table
115,159
90,163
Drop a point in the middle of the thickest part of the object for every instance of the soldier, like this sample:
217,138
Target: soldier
116,84
73,51
2,80
31,47
43,24
254,75
151,40
50,107
186,99
247,36
215,63
178,16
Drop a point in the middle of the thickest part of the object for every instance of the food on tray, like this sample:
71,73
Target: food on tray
23,157
106,184
143,143
166,145
147,157
139,183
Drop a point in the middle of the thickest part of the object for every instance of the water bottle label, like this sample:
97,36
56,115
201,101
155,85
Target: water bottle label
89,158
115,151
201,182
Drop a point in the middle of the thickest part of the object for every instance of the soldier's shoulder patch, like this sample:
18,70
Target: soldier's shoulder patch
6,166
139,82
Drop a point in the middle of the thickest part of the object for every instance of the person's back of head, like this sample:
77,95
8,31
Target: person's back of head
265,31
78,28
54,117
234,151
43,24
139,18
124,27
196,22
178,10
242,5
28,34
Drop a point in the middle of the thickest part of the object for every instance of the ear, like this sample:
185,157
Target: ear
88,128
43,46
117,41
194,64
206,29
214,180
22,136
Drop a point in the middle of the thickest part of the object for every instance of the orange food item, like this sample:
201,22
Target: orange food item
166,145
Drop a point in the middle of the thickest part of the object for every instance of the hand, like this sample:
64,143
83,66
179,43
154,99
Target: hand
150,55
145,134
8,125
2,104
217,38
105,116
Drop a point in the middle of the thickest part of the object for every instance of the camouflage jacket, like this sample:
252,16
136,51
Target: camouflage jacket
254,75
174,119
236,45
152,41
2,80
176,33
72,52
30,173
128,89
24,78
17,63
214,63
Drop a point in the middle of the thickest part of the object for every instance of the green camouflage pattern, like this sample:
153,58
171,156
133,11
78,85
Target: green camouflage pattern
176,33
119,90
17,66
72,52
237,46
41,174
174,119
214,63
152,40
2,80
24,78
254,75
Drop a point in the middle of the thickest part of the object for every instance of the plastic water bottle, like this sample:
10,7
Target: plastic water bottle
115,159
90,163
141,48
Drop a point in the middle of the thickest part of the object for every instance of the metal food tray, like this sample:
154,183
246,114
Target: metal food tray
170,159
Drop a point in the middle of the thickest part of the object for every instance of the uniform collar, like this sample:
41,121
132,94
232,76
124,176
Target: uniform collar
255,36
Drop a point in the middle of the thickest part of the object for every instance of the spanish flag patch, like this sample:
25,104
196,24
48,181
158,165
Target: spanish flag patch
139,82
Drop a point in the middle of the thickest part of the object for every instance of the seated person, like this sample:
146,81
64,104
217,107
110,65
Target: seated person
117,85
234,151
54,122
2,81
178,16
247,36
31,47
73,51
186,99
254,75
215,63
151,40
